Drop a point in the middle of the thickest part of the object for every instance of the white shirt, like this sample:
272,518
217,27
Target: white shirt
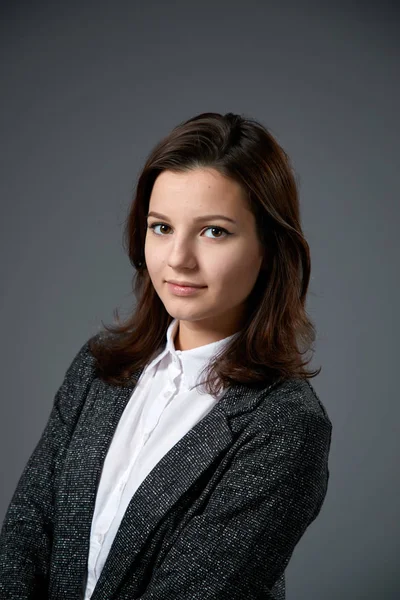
161,410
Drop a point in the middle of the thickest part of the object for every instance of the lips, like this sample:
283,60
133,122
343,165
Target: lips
185,284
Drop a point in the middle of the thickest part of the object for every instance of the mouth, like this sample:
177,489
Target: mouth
184,284
184,290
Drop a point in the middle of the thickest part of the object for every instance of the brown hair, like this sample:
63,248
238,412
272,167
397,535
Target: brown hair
277,331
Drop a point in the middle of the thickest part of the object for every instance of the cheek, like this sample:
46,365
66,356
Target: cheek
235,267
152,255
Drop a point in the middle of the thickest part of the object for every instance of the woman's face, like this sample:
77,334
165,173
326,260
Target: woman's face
184,244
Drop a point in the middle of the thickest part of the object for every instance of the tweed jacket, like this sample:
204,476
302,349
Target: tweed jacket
217,518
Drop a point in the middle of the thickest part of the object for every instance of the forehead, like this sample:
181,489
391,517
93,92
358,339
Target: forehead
197,185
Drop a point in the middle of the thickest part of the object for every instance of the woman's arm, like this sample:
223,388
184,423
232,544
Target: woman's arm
242,542
26,535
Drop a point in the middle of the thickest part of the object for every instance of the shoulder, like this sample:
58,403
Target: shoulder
293,401
83,360
82,368
77,381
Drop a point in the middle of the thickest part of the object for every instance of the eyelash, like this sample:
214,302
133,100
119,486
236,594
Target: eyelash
209,227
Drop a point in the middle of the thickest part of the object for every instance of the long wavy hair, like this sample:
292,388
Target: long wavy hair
277,334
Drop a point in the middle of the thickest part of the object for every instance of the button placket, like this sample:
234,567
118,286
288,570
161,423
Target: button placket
166,394
125,475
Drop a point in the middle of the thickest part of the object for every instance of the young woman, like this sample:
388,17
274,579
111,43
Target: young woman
186,452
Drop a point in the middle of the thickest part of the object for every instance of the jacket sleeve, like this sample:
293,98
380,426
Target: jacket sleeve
241,543
26,535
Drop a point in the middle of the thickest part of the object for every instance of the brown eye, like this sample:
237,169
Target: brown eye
220,229
157,225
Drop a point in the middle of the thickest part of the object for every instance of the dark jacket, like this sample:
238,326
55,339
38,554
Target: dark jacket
217,518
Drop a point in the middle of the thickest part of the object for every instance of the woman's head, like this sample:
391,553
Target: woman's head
254,279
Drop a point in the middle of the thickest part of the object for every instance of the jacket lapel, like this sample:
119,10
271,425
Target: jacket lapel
78,485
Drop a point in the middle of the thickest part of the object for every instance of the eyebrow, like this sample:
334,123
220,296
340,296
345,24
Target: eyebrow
196,220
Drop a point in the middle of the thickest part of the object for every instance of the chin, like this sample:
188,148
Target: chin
185,315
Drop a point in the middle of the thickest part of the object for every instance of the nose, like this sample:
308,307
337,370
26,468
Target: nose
181,255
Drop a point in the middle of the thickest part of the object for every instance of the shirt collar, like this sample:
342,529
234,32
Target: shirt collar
192,361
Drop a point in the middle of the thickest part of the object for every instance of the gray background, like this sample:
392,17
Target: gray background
87,89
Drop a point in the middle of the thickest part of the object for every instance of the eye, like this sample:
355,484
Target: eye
213,227
156,225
